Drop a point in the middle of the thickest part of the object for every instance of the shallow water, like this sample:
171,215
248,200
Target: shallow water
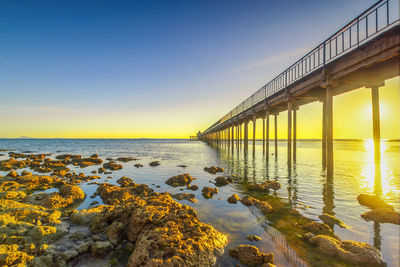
303,184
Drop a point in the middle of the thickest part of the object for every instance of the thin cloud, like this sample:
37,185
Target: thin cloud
275,58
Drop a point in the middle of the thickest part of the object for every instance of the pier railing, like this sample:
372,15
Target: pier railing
378,18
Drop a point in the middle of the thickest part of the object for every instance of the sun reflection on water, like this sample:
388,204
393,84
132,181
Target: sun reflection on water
378,178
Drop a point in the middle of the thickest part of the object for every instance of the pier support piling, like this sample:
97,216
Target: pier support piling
376,123
246,135
289,130
263,136
267,140
276,135
323,134
294,134
329,133
254,134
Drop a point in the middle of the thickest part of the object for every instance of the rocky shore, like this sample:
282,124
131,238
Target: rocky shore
136,226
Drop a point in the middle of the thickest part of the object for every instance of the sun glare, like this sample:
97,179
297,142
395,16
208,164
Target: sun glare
377,178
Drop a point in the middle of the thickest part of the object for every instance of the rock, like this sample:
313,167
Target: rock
125,181
181,166
94,203
69,254
12,174
180,180
101,170
356,252
233,199
213,169
138,165
329,219
154,163
68,156
248,201
266,186
100,249
221,181
318,228
373,201
84,217
208,192
84,247
125,159
94,172
251,256
193,187
253,238
382,215
94,156
263,206
187,196
112,166
71,191
115,232
166,233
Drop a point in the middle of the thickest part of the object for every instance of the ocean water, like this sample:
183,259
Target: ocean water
304,184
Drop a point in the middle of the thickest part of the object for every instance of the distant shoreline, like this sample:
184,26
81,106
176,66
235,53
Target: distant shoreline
60,138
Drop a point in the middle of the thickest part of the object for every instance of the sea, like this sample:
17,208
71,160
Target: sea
304,184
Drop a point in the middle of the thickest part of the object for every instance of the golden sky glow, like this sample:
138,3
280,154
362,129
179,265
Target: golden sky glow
352,119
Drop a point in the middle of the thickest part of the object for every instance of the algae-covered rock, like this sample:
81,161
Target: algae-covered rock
357,252
233,199
208,192
251,256
329,219
373,201
318,228
180,180
221,181
100,249
382,215
213,169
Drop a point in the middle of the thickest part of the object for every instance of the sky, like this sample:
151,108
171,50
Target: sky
164,69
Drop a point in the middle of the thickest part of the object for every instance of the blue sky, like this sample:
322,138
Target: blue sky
147,64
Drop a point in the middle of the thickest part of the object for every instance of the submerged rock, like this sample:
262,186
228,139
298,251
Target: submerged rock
329,219
221,181
112,166
356,252
213,169
125,159
208,192
318,228
100,249
187,196
125,181
233,199
180,180
266,186
263,206
251,256
154,163
193,187
382,215
373,201
253,238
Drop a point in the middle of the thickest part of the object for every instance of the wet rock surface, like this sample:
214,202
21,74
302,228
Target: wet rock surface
180,180
213,169
356,252
208,192
251,256
373,201
332,220
233,199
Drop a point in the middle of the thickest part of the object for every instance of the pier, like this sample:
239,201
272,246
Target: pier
363,53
